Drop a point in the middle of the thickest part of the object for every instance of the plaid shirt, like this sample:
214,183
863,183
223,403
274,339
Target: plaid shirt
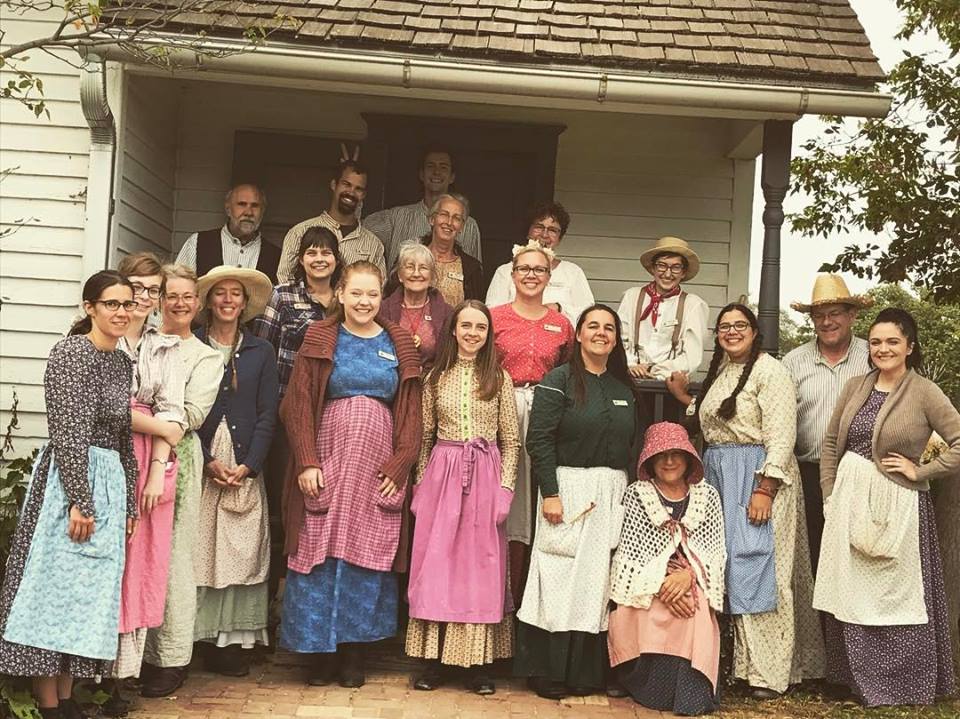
284,323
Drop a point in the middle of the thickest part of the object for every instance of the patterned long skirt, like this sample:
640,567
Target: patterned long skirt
60,602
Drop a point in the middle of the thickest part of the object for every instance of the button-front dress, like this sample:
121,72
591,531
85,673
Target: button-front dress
460,611
60,601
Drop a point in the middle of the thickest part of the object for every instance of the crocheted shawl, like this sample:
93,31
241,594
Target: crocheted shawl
650,536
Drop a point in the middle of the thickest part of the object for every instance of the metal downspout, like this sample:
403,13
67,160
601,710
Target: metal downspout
103,143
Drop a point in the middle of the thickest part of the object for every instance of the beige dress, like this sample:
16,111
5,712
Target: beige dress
782,647
445,416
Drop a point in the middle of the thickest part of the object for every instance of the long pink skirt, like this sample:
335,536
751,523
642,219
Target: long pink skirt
458,569
144,589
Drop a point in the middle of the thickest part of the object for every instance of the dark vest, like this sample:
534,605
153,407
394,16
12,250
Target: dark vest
210,254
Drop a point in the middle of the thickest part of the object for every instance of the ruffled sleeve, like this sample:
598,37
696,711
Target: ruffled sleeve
777,398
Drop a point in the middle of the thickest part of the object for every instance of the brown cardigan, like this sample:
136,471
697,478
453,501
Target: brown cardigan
302,410
914,410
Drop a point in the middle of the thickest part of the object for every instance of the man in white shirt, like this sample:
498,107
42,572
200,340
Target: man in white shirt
568,291
238,242
349,187
410,223
820,368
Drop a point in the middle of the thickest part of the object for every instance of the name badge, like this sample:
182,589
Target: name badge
671,323
301,306
621,403
428,318
386,356
552,328
455,276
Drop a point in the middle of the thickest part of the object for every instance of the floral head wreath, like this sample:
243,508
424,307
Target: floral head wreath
534,246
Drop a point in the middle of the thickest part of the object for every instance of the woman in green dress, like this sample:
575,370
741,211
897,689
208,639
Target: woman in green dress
582,425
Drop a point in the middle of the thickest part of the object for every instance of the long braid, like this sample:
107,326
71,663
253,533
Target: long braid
233,356
728,408
694,424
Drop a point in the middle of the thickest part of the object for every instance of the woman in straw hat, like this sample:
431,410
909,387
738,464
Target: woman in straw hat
880,581
667,579
664,325
232,559
747,414
169,647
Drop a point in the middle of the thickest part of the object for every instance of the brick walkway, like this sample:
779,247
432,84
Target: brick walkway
275,689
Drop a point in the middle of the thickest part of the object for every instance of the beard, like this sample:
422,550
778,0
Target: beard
347,208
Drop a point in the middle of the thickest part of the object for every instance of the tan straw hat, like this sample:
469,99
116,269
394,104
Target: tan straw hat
258,287
675,246
832,290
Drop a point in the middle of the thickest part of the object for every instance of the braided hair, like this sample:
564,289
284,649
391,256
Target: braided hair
237,335
728,408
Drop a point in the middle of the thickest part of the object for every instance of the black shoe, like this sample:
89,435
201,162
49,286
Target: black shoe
615,690
163,682
230,661
763,694
548,689
116,705
430,678
578,691
69,709
322,670
352,671
479,682
50,713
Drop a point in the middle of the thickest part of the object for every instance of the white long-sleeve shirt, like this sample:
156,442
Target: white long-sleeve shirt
654,343
568,287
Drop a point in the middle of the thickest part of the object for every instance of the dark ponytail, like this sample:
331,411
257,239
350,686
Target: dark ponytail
728,408
93,290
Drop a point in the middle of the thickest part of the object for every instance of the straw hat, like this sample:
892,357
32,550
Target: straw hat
675,246
662,437
258,287
832,290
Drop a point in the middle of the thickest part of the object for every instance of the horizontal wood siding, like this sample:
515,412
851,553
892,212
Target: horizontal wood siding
146,167
42,202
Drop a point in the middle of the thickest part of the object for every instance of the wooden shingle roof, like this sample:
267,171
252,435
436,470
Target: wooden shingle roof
818,42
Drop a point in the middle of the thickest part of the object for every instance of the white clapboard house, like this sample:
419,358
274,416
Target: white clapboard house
643,118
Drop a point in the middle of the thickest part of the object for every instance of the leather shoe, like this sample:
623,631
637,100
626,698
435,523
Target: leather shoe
430,678
763,694
230,661
577,691
163,682
548,689
322,670
69,709
352,672
481,683
615,690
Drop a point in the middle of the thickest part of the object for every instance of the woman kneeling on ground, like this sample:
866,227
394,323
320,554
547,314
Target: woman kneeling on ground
667,580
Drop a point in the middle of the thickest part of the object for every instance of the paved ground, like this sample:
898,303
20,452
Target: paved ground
275,689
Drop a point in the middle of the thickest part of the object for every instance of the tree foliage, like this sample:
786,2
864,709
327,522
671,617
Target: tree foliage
146,30
896,176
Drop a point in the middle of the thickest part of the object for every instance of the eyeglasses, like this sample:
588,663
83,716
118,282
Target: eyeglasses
186,298
153,292
676,269
726,327
445,216
543,229
525,270
115,305
832,315
419,269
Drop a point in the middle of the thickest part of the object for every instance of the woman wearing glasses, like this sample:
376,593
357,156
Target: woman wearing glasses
60,601
158,422
169,647
568,291
456,275
416,305
531,339
747,414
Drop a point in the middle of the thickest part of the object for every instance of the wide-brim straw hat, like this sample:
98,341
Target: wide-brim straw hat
832,290
675,246
257,285
663,437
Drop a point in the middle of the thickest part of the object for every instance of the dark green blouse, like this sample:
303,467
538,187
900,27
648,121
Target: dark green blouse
597,433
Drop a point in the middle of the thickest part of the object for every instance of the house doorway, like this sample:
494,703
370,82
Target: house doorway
502,168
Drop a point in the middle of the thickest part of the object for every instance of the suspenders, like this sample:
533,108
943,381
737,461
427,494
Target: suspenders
677,328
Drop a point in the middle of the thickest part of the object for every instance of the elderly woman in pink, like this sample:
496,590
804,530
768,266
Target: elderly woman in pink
667,580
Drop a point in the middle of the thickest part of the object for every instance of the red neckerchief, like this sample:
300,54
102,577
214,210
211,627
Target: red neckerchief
653,309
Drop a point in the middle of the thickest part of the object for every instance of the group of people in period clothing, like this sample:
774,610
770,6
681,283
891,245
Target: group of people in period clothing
485,473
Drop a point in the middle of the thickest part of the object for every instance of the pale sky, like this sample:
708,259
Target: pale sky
803,257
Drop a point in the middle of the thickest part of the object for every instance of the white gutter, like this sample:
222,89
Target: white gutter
512,84
103,141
